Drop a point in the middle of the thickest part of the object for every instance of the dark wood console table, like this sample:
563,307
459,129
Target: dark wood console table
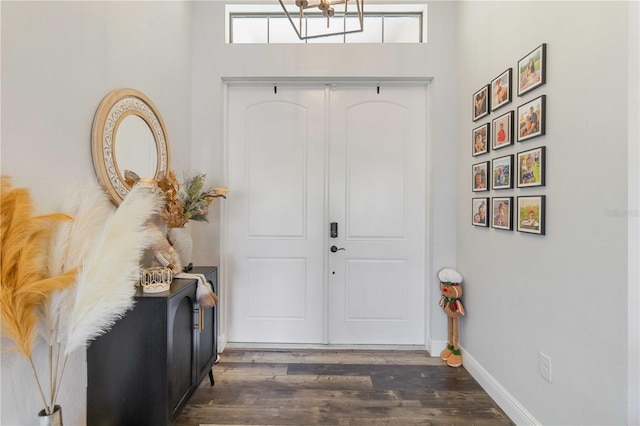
143,371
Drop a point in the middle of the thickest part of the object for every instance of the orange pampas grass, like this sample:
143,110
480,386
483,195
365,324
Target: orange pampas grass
24,285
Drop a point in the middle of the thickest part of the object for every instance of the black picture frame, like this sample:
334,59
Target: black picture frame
502,213
532,70
481,103
532,119
480,212
531,215
501,90
531,166
480,137
480,177
502,172
502,131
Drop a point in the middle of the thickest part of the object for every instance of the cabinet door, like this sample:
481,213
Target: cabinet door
126,370
181,348
207,336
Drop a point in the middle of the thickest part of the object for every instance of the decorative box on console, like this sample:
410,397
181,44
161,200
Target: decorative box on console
156,279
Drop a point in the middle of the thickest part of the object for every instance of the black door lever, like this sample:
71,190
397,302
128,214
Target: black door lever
335,249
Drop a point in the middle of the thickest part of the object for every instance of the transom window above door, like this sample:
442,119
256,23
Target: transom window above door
383,23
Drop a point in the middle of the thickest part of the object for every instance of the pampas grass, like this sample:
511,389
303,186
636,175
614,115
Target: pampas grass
24,284
98,252
104,290
69,245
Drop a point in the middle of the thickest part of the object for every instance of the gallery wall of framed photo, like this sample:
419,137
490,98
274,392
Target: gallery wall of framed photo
509,173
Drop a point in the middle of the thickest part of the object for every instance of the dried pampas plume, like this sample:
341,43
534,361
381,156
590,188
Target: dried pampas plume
104,291
24,283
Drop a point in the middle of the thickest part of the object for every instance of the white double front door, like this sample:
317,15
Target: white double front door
298,160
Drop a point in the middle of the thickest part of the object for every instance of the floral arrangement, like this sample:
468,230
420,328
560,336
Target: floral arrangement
172,212
189,201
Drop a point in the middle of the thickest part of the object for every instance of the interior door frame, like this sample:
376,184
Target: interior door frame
328,84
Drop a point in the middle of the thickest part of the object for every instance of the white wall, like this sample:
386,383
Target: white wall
213,61
564,293
58,60
633,303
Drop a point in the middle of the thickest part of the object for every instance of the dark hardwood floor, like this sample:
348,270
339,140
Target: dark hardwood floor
339,387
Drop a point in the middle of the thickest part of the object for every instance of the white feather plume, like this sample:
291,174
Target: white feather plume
90,208
104,290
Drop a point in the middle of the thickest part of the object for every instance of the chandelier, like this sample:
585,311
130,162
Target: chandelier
345,20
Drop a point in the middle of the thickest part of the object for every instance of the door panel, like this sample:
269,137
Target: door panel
286,293
367,288
375,168
276,168
377,190
276,214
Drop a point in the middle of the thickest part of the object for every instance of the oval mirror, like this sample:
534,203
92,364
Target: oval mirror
128,135
135,147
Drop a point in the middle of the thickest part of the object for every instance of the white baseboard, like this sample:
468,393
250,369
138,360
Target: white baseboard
236,345
222,342
435,347
516,412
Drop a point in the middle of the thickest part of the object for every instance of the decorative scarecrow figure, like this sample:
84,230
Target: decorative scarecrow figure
452,305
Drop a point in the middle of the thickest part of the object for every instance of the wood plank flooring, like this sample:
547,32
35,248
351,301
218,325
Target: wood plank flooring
341,388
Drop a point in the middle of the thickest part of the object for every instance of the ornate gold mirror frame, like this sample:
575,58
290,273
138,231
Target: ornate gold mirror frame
114,108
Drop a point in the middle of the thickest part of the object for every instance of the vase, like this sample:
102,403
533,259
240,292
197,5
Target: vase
53,419
180,239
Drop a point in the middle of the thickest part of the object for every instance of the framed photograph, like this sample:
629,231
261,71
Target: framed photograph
480,172
532,70
480,211
502,208
480,139
502,132
481,103
502,172
531,166
531,119
501,90
531,215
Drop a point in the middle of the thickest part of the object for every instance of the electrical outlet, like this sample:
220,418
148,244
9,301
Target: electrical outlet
545,366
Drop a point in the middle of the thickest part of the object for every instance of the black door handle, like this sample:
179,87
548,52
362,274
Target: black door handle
335,249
